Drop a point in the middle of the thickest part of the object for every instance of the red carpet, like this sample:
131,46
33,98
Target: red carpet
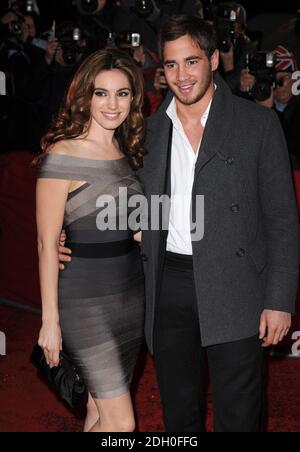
28,406
26,403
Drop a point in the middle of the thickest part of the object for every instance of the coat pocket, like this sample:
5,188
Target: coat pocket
259,256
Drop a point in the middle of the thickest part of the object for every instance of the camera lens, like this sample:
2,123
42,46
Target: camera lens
262,90
70,58
144,7
16,28
87,6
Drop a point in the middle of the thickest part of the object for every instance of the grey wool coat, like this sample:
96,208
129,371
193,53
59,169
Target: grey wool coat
247,260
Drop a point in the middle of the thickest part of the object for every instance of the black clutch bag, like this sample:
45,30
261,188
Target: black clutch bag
64,379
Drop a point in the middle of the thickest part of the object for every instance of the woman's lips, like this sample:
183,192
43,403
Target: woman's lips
111,116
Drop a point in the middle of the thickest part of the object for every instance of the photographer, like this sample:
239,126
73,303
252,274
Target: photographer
146,17
285,103
17,116
148,61
233,43
15,60
94,18
65,52
276,92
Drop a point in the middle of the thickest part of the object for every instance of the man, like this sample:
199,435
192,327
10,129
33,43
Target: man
284,100
233,60
222,295
233,291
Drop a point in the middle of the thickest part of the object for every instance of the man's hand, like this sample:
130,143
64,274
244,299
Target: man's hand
51,50
160,81
274,326
63,253
228,59
247,81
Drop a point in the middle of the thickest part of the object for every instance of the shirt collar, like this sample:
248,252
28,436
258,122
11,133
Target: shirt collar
279,106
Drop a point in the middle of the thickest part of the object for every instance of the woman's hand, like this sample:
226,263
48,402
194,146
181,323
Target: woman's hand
138,237
51,342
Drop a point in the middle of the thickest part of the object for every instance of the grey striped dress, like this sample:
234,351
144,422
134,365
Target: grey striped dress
101,292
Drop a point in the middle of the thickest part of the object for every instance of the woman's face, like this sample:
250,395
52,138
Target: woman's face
111,100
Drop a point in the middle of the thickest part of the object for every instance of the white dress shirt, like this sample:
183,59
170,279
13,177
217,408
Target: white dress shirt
183,161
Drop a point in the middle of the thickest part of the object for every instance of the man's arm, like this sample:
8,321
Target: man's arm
280,217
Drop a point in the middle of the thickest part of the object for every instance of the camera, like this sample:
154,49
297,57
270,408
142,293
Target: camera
210,11
22,6
86,7
28,7
262,66
229,19
144,8
128,42
13,29
125,39
226,19
70,46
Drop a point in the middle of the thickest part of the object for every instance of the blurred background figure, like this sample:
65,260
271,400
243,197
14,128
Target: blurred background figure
148,61
286,102
268,81
230,20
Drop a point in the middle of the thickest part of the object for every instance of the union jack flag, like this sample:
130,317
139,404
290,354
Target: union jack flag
285,60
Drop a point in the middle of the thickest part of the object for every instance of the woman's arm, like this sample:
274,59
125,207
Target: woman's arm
51,196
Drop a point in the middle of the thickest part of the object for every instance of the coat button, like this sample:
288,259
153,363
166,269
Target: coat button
229,161
241,252
144,257
235,208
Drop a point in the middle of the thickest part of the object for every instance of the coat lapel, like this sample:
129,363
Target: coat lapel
218,125
159,143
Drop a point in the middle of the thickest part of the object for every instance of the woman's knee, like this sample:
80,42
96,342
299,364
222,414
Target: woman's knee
124,425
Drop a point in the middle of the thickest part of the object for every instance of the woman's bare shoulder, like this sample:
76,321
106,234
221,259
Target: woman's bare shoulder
64,147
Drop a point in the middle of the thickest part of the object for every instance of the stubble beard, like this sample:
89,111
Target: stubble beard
198,96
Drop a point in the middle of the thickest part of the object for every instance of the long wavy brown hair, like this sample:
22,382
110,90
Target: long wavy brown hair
73,119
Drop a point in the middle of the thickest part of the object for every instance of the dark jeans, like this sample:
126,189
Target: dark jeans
235,369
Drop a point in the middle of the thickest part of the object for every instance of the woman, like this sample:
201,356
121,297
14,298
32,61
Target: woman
96,305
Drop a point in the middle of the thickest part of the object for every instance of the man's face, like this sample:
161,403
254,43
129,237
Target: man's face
31,27
283,93
188,70
101,4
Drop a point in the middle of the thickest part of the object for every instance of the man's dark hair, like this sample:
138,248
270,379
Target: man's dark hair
201,32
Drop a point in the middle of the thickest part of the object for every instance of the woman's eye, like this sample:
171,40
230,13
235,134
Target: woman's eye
124,94
100,93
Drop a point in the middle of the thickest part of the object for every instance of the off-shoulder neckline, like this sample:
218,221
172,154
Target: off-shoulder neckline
85,158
